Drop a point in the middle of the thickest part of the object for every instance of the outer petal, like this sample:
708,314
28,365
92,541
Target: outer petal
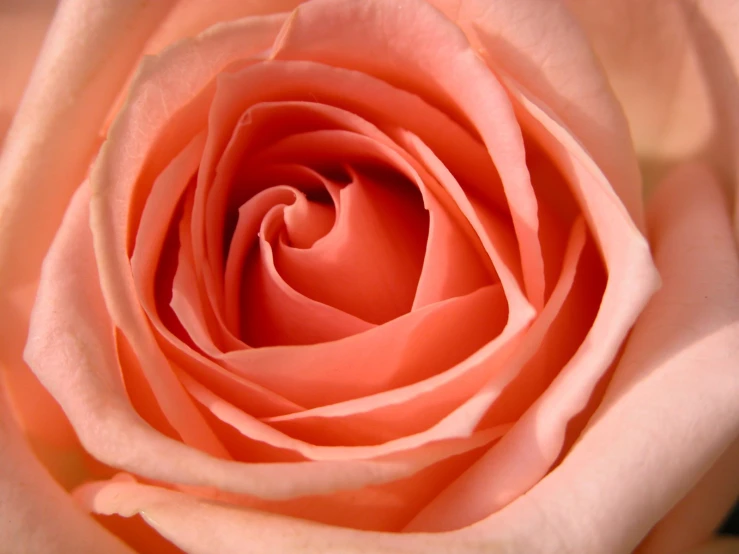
697,516
538,44
22,29
202,527
671,408
675,68
89,51
36,514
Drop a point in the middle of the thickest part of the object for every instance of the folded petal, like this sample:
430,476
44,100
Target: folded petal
36,514
672,399
539,45
88,382
88,53
674,67
22,30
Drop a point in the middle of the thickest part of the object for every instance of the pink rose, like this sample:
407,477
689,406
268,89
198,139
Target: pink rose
369,276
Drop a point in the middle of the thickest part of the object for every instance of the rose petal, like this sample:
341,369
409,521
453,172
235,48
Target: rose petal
675,385
36,514
453,77
539,45
87,54
631,276
118,170
369,263
22,28
697,516
675,69
70,318
200,527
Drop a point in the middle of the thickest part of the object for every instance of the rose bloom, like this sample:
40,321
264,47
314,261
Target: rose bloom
368,276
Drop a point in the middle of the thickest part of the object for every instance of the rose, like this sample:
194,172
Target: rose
656,404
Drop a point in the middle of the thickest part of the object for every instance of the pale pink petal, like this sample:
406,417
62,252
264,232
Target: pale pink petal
674,67
36,514
670,410
539,45
696,517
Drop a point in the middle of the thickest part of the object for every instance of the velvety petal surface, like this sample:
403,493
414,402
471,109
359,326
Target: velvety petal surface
674,384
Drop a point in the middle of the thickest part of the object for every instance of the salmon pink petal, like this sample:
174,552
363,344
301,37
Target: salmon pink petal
453,78
118,170
461,395
156,218
674,385
38,514
370,262
276,313
92,394
96,45
419,446
699,513
158,215
22,29
540,46
396,354
631,275
199,526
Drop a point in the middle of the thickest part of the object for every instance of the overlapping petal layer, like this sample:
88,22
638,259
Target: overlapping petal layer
327,271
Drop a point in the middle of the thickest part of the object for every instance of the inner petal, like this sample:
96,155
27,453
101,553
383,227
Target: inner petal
369,264
306,221
275,313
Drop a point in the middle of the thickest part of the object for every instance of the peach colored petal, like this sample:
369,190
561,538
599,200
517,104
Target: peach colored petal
670,410
90,49
189,18
22,29
247,91
434,398
631,276
369,263
452,77
396,354
419,445
276,313
155,220
118,169
36,514
201,527
674,67
70,318
245,239
539,45
697,516
319,144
